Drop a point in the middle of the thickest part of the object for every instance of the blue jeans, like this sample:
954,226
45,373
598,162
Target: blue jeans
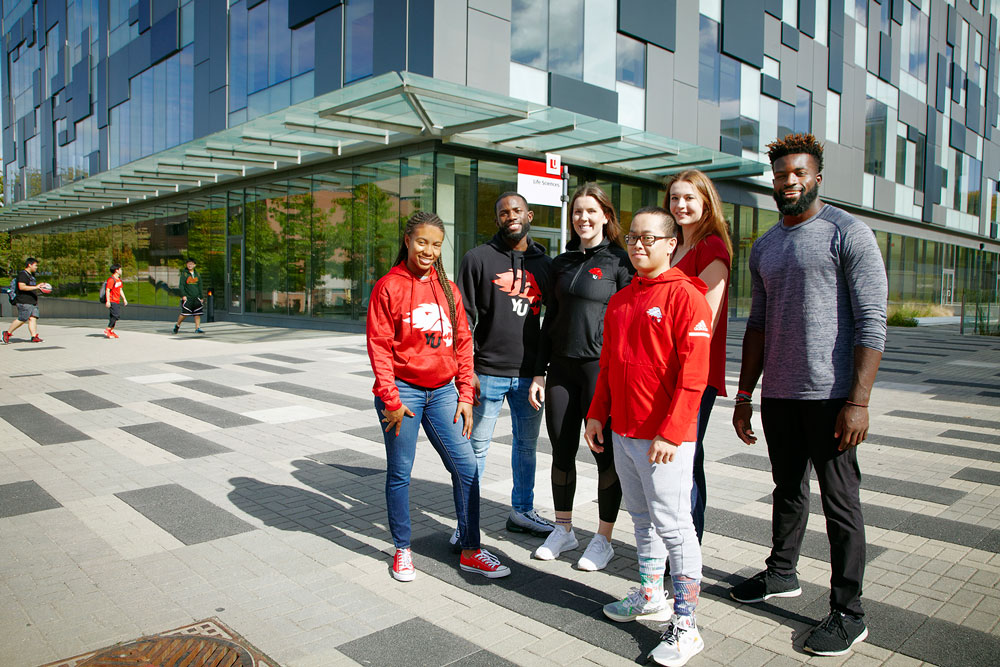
525,421
434,409
699,491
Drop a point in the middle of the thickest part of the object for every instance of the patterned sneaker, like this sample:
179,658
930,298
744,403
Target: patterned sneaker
764,586
177,328
484,563
836,634
36,339
6,337
597,555
558,541
402,566
678,643
528,522
635,605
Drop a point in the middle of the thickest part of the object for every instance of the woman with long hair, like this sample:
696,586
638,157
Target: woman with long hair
705,251
421,352
594,267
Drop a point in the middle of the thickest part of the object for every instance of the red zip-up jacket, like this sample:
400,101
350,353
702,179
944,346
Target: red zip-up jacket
655,357
410,336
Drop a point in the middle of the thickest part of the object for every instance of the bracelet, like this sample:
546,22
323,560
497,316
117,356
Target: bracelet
857,405
740,400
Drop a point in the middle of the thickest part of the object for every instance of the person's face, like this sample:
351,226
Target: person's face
190,266
653,259
686,204
31,268
423,248
796,183
589,220
513,218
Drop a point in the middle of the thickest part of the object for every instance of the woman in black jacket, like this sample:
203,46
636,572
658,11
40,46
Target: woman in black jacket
585,277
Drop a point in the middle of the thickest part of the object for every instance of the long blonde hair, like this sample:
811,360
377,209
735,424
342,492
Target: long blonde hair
712,220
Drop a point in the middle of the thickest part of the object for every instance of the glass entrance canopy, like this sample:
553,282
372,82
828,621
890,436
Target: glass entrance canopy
391,110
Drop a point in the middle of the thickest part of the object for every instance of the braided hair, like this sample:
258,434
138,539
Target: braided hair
419,219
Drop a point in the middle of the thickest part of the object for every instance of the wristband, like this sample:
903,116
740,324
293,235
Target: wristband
743,397
857,405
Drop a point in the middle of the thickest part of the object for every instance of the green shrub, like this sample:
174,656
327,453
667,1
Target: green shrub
901,319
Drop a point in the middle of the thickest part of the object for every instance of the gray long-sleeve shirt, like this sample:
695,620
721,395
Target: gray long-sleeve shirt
819,290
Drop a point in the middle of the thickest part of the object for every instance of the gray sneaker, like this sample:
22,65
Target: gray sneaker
528,522
635,605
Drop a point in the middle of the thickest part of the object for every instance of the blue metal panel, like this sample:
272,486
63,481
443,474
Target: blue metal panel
389,53
575,95
932,192
898,7
743,30
202,121
218,47
956,138
770,86
655,21
952,26
807,17
884,57
202,31
420,58
730,145
774,8
102,93
163,38
217,110
790,37
118,77
972,108
957,82
912,133
138,54
161,8
302,11
328,51
835,64
145,18
8,145
941,94
837,17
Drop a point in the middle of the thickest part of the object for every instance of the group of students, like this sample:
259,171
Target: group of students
190,287
632,345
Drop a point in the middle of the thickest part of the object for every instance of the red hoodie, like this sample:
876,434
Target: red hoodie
410,336
654,362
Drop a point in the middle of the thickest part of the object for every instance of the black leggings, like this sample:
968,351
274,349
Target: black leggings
569,389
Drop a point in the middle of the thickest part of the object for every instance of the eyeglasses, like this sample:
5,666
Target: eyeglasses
647,239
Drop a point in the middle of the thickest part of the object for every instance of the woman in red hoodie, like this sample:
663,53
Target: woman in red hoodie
421,352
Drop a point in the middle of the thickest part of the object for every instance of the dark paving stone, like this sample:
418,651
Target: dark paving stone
333,397
901,360
174,440
35,348
942,643
934,447
905,371
963,383
212,388
990,394
350,350
349,460
184,514
82,400
86,372
979,475
983,398
26,375
373,433
40,426
544,446
971,436
944,419
923,354
892,486
192,365
269,368
284,358
24,497
412,642
206,413
367,373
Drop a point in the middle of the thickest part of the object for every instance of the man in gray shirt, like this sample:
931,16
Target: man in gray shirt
816,330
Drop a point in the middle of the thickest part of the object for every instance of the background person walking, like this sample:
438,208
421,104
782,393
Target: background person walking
114,299
26,301
192,297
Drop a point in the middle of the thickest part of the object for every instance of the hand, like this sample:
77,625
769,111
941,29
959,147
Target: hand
184,299
594,434
107,303
851,426
395,417
476,389
536,392
465,410
741,422
661,450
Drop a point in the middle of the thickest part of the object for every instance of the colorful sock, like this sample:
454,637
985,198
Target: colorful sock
565,524
651,577
686,591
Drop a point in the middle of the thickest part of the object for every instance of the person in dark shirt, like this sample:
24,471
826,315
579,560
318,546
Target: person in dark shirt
192,297
26,302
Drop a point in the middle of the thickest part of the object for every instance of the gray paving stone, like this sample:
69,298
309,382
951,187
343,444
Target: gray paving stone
24,497
412,642
333,397
204,412
285,358
40,426
971,436
944,419
482,659
980,475
174,440
184,514
192,365
269,368
934,447
82,400
212,388
87,372
352,461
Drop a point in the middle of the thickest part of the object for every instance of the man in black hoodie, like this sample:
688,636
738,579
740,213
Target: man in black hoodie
503,284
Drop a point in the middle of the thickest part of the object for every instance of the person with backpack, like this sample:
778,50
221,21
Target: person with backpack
192,297
27,290
114,299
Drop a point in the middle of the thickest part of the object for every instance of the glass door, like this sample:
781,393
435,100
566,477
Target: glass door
234,276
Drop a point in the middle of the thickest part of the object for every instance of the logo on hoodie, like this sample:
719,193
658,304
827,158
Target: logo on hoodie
433,321
520,286
596,272
655,313
700,329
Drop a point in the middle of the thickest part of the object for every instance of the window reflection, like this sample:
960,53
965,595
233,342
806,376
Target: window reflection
566,38
631,61
359,40
529,33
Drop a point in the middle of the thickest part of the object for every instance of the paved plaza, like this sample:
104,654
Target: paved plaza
155,481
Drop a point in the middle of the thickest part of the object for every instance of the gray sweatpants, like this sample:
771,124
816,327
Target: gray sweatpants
658,496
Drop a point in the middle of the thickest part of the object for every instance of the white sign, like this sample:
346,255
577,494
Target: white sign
536,185
553,164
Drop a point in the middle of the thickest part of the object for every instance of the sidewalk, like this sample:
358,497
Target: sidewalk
157,481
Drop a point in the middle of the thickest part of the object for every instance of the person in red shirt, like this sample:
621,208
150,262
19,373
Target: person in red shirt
704,251
114,299
653,370
420,349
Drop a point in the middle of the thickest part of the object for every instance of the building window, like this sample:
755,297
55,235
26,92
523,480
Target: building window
631,61
708,60
832,116
359,45
548,35
914,42
876,118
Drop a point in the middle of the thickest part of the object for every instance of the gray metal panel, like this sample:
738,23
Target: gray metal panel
102,93
138,53
686,47
685,99
912,111
327,51
161,8
789,74
789,36
837,181
743,30
488,54
772,36
885,195
498,8
389,53
659,98
582,97
708,125
898,6
651,21
202,30
804,63
419,58
450,40
820,67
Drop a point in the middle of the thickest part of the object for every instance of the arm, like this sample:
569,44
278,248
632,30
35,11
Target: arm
463,352
852,422
536,392
750,369
716,276
600,404
181,285
692,349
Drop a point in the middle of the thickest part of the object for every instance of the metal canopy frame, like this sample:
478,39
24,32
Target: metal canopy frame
390,110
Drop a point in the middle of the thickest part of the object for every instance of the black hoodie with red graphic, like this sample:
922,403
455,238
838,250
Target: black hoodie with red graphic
503,291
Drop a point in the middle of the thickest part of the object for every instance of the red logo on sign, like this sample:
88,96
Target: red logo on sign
596,272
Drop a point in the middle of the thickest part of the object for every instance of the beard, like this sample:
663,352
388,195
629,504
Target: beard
515,237
800,205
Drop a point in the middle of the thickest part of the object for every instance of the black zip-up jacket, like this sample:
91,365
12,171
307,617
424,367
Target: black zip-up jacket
503,291
584,282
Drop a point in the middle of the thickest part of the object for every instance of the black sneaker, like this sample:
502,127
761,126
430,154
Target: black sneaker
836,634
177,328
764,586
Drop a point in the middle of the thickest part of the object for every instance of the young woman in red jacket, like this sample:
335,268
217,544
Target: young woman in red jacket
421,352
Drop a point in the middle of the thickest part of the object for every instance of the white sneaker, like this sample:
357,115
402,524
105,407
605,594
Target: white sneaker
679,642
558,541
597,555
635,605
528,522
